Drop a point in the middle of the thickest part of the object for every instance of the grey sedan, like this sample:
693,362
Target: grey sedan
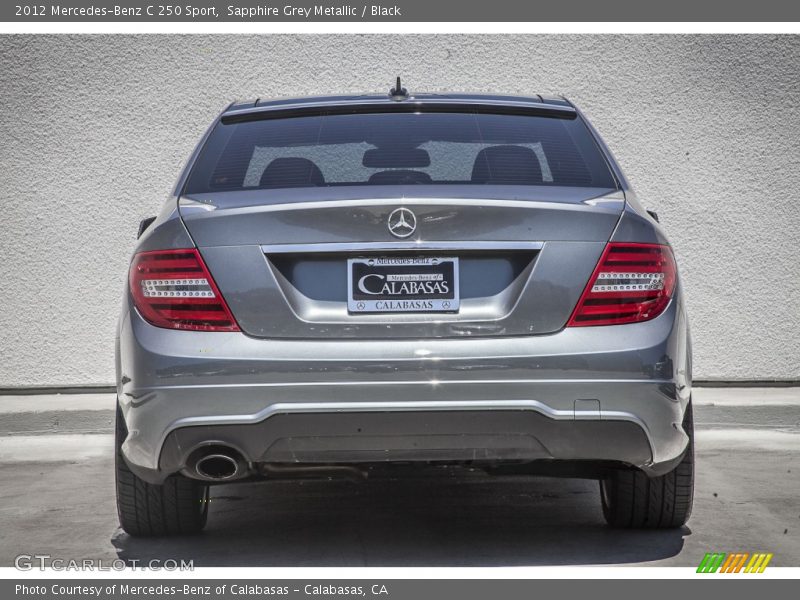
340,284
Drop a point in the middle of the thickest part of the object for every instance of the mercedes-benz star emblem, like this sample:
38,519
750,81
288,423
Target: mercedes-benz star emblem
402,222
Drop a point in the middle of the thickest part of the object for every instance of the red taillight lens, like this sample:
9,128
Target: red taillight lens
631,283
173,289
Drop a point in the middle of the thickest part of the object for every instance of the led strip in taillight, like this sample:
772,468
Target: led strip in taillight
614,282
631,283
176,288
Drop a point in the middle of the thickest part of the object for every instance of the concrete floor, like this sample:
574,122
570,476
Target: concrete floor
57,498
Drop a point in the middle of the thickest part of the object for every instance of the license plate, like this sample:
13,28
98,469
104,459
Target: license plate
399,284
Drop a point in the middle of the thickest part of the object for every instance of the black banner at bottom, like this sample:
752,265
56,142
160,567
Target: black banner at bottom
393,589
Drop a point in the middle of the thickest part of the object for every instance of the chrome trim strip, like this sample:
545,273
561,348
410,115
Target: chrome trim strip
433,382
378,406
396,246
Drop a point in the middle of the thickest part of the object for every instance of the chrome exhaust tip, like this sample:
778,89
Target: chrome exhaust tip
216,463
217,467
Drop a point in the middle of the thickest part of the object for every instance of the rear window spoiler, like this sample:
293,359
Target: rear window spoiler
257,113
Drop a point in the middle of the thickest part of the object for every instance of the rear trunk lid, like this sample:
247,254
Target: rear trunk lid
281,257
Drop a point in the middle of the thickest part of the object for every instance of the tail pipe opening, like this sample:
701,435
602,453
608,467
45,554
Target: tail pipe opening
217,463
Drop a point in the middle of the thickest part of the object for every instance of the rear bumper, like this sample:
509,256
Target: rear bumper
595,393
415,435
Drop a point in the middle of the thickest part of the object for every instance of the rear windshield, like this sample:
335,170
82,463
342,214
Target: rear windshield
399,149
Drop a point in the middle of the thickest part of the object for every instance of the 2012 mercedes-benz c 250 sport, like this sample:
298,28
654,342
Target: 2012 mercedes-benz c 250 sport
340,284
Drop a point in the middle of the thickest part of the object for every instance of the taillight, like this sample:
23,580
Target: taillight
631,283
173,289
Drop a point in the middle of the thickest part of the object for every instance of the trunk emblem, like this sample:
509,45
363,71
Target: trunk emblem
402,222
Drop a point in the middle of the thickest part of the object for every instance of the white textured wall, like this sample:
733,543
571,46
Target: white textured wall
94,129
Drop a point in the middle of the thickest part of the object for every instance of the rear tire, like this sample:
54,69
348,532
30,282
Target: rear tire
632,500
178,506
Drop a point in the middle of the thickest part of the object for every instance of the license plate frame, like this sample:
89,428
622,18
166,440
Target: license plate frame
416,284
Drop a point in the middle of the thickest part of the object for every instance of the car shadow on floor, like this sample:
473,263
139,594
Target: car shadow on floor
443,519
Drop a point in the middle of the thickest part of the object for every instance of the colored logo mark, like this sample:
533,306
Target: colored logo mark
736,562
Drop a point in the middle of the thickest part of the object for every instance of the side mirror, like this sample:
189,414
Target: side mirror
143,225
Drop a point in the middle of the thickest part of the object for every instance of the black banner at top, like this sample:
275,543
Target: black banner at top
402,11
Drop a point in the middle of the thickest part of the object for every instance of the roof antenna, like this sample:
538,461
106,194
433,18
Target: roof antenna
398,92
